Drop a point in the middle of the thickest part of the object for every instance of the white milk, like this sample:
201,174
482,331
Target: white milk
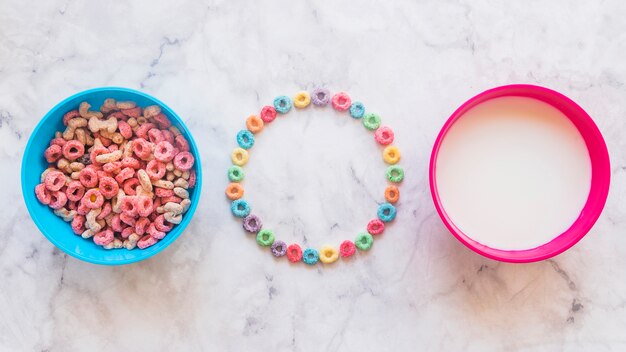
513,173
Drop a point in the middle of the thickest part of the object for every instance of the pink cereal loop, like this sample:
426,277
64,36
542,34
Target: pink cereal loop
75,191
57,200
53,153
168,136
184,161
131,162
162,192
103,238
375,227
73,150
162,120
152,231
155,136
144,206
92,199
108,187
171,199
141,148
126,232
341,101
128,206
130,185
142,131
164,151
116,223
155,169
141,226
125,130
106,210
58,141
124,175
78,224
95,152
128,219
43,194
70,115
192,178
112,167
55,180
146,241
181,143
161,224
384,135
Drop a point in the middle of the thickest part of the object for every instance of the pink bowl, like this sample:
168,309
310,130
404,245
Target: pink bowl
600,174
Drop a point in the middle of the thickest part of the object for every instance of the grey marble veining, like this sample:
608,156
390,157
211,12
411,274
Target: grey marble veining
314,176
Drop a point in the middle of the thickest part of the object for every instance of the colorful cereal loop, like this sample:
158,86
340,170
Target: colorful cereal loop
240,208
371,121
254,124
235,173
310,256
301,100
391,155
341,101
357,110
364,241
234,191
347,248
239,156
328,255
392,194
245,139
386,212
282,104
395,174
265,237
294,253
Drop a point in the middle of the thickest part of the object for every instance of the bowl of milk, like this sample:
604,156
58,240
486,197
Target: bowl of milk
519,173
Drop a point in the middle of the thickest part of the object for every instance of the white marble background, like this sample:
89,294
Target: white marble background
313,175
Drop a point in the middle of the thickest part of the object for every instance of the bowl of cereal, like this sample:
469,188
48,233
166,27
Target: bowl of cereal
111,176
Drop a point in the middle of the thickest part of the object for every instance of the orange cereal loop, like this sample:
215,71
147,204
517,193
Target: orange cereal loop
392,194
234,191
254,124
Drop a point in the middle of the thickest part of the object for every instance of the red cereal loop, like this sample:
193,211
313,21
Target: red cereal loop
134,112
53,153
162,120
131,162
183,161
141,226
168,136
128,206
70,115
73,150
95,152
341,101
347,248
181,143
58,141
130,185
75,191
78,224
155,135
152,231
124,175
268,114
92,199
156,169
116,223
128,219
141,148
146,241
162,192
384,135
294,253
54,181
144,206
126,232
375,227
164,151
103,238
142,131
57,200
43,194
108,187
161,224
125,130
106,210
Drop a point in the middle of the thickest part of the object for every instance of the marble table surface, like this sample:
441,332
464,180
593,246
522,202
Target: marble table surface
315,176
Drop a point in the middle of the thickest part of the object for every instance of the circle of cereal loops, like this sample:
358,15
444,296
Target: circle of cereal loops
341,102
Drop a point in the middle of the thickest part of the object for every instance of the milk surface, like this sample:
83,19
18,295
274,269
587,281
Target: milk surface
513,173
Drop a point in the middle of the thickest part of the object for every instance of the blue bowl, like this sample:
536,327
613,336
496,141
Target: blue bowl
54,228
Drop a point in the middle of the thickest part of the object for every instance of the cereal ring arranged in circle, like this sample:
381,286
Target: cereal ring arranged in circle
282,104
235,173
294,253
239,156
164,151
375,227
240,208
54,181
268,114
391,155
310,256
184,161
279,248
301,100
384,135
252,223
386,212
371,121
320,97
265,237
395,174
392,194
328,255
73,150
234,191
245,139
347,248
341,101
92,199
357,110
75,191
254,124
364,241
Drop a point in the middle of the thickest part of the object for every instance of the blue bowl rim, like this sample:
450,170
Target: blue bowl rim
170,238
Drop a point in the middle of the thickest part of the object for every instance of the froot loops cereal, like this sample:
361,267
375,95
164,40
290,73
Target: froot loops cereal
121,175
319,97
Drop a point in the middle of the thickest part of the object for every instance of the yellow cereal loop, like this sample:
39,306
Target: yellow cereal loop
328,254
391,154
301,100
239,156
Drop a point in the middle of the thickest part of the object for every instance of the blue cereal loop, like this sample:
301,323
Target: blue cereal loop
386,212
282,104
357,110
240,208
310,256
245,139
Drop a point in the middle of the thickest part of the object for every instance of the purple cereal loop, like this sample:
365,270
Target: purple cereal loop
320,96
252,223
279,248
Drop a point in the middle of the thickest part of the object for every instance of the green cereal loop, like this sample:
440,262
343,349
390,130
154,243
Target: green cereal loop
235,173
364,241
395,174
371,121
265,237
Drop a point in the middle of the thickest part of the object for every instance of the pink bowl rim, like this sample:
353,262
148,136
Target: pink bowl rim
600,174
